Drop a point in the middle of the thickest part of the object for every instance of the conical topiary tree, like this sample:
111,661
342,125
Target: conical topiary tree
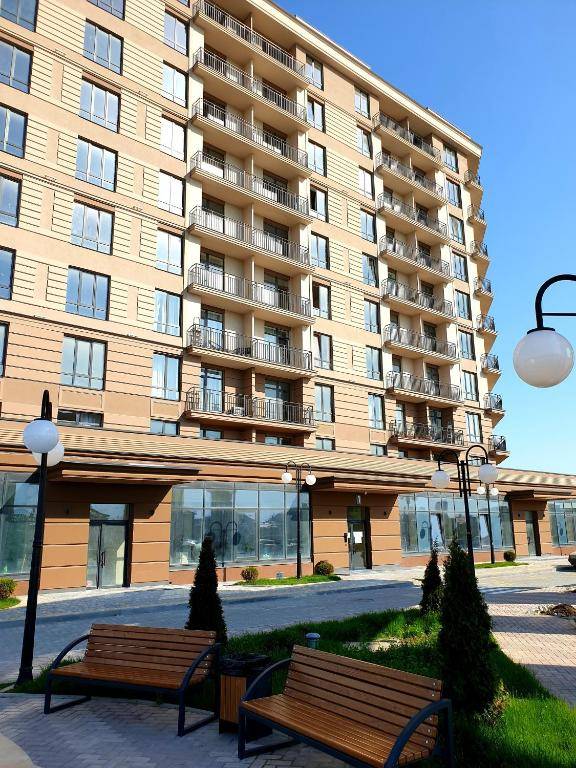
205,604
464,642
431,584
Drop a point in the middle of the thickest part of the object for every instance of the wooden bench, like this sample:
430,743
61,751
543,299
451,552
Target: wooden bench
362,713
151,659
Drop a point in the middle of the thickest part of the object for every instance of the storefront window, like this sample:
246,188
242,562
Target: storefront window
19,495
562,522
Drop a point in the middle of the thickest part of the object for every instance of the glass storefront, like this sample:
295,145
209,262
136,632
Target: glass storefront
562,522
18,499
438,517
249,522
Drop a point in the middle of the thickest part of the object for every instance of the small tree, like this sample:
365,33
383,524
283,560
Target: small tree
431,584
464,642
205,604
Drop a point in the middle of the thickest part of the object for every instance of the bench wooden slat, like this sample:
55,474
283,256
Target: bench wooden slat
142,663
125,629
96,646
127,675
143,637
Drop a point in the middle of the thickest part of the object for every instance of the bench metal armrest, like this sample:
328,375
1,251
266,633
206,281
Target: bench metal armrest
262,676
66,650
212,649
410,727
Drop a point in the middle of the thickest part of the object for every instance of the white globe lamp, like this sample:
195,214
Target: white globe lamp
310,479
440,479
481,490
543,358
494,491
54,456
487,474
40,436
286,477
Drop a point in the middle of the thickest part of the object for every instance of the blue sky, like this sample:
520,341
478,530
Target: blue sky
503,71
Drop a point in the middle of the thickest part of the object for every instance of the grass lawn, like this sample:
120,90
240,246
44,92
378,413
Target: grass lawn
500,564
8,602
290,581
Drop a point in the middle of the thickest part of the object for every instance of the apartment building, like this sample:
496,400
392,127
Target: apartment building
227,244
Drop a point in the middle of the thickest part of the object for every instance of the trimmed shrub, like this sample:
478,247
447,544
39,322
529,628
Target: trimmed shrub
509,555
431,585
464,642
250,573
7,587
204,602
323,568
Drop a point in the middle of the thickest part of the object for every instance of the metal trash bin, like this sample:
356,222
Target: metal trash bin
237,673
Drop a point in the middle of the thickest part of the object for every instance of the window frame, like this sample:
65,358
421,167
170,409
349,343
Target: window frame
312,164
319,193
317,311
363,215
373,421
361,134
169,209
170,151
10,81
107,7
94,275
77,423
457,300
314,65
18,182
88,207
3,140
181,249
165,94
94,58
317,335
372,307
172,43
316,105
359,97
73,374
16,19
85,174
167,296
374,351
108,92
4,348
166,357
326,240
319,413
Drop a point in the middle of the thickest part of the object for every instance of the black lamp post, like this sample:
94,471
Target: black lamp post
224,536
310,480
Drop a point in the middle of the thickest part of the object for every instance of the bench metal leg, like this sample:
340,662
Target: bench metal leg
48,710
182,729
258,750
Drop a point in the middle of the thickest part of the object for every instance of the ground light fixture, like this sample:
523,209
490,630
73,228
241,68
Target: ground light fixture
544,358
310,480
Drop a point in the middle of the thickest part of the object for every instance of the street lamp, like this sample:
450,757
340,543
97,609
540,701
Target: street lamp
310,480
488,490
43,441
487,473
544,358
224,538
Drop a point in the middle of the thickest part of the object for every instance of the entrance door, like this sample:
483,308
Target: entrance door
533,534
358,539
107,546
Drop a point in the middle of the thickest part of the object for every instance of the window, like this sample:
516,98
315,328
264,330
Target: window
315,72
161,427
6,273
3,347
21,12
474,427
87,294
376,411
365,183
210,434
167,313
453,192
103,47
324,401
99,105
169,252
170,193
320,300
319,251
277,440
83,363
174,85
322,351
175,33
378,450
92,228
367,226
370,270
318,203
12,131
361,102
463,305
14,67
315,114
96,165
325,444
460,266
371,316
172,138
317,158
373,363
469,385
364,141
451,158
80,418
165,376
466,341
9,201
115,7
456,229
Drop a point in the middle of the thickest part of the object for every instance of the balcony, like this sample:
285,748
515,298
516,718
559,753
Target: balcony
401,140
242,43
483,286
472,179
429,390
405,219
225,289
419,302
406,180
490,363
425,433
479,251
242,351
241,188
486,324
240,240
419,345
237,87
497,444
493,402
476,215
411,259
225,407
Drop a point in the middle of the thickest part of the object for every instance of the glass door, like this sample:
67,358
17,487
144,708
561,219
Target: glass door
106,565
357,539
532,534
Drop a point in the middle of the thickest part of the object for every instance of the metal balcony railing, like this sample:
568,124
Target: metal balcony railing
253,84
497,444
262,408
257,185
493,402
486,323
257,238
483,285
490,362
233,285
391,162
427,387
398,290
427,432
391,203
479,249
249,35
232,343
409,338
381,119
414,254
475,212
472,178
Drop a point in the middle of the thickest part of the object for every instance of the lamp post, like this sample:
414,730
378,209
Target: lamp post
224,537
310,480
488,491
43,441
487,473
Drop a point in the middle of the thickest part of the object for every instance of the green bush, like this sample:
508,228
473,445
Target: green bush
250,573
7,587
509,555
323,568
432,585
205,605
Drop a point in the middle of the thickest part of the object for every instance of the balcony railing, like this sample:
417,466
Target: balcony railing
497,444
479,249
391,162
472,178
409,338
493,402
232,285
400,291
236,123
257,238
483,285
253,84
475,212
249,35
257,185
427,387
262,408
426,432
232,343
380,119
486,323
412,253
391,203
490,362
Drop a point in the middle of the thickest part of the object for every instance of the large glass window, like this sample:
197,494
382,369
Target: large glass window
12,131
80,418
165,376
18,499
463,308
456,229
87,294
96,165
115,7
172,138
367,226
175,33
167,313
103,47
21,12
451,158
315,72
370,269
373,363
99,105
562,522
169,252
365,183
324,400
161,427
319,251
474,427
325,444
322,348
15,67
92,228
453,193
469,385
361,102
170,193
174,85
9,201
363,141
316,114
83,363
6,272
318,203
375,411
460,266
317,158
371,316
3,347
466,341
320,300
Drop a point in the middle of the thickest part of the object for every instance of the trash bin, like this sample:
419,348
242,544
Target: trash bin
236,674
